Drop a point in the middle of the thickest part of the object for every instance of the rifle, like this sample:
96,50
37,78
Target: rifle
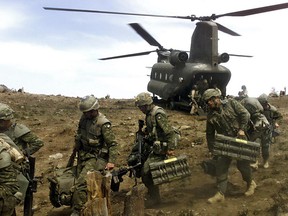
32,187
135,160
117,176
72,158
140,141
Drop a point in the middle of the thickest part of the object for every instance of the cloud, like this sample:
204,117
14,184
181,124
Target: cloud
58,51
10,18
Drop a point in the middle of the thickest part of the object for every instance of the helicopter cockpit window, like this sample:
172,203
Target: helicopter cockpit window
155,75
171,78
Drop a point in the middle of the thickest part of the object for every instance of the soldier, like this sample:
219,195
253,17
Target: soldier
21,135
160,135
271,113
259,129
24,138
243,93
8,180
230,118
196,94
96,147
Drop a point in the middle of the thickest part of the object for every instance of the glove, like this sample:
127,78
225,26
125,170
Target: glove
241,135
160,148
156,147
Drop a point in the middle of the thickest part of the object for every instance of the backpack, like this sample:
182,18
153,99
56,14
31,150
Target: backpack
252,105
60,186
258,120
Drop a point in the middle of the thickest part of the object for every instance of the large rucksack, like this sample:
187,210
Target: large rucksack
60,186
254,107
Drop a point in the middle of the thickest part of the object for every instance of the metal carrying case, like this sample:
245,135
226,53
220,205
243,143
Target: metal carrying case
236,148
169,170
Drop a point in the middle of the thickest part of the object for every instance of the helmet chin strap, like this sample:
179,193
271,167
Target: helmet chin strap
149,107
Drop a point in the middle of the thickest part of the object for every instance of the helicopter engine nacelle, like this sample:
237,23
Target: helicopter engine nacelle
223,58
177,57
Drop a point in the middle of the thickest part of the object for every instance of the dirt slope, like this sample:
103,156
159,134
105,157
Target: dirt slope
55,119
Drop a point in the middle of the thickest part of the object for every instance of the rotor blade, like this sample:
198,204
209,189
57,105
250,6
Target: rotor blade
128,55
236,55
115,12
192,18
255,10
226,30
145,35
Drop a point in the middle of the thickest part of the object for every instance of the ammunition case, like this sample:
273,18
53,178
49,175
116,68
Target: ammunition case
236,148
169,170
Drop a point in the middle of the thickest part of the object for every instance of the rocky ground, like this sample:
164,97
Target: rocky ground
55,119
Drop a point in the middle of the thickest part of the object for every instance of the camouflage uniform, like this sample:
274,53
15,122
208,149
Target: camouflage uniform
196,95
270,112
24,138
21,135
227,120
260,127
96,145
160,136
244,93
8,183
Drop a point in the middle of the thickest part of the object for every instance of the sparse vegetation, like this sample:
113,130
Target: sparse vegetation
55,118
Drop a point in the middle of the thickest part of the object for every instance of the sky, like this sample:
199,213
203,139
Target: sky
55,52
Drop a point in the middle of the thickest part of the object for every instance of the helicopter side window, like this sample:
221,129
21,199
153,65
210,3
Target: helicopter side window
166,76
155,75
160,76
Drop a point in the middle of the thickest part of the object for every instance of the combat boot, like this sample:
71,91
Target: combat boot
218,197
266,164
75,213
251,189
254,166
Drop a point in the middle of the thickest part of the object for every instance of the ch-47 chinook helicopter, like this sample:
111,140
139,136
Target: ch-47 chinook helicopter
176,73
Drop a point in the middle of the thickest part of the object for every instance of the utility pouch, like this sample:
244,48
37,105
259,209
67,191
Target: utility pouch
104,154
209,167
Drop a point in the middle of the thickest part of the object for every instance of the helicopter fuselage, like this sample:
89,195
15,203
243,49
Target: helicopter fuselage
175,82
173,79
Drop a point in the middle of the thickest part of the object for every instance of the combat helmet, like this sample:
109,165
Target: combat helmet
243,87
209,93
143,98
263,98
88,103
6,112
